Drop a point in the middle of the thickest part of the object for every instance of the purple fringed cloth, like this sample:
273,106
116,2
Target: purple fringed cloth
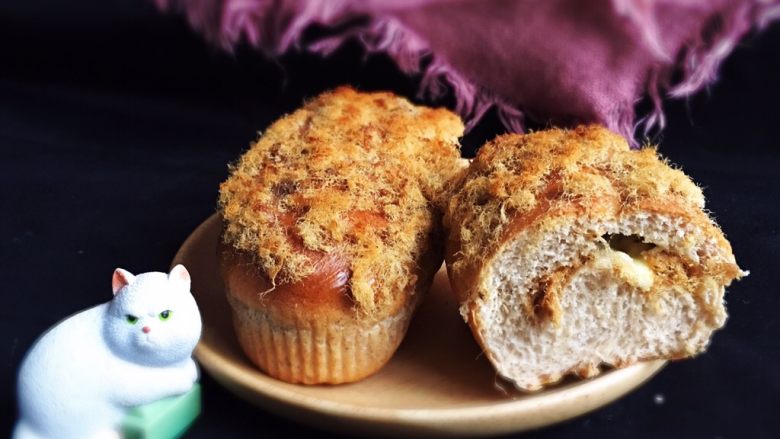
555,61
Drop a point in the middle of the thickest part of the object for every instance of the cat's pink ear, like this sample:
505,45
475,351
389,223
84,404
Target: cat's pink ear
181,275
121,278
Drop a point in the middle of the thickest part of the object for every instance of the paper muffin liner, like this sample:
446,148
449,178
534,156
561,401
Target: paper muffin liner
314,351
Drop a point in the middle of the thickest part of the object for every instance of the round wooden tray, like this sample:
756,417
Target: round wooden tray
437,383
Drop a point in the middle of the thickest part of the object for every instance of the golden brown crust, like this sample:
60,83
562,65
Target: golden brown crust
323,292
355,174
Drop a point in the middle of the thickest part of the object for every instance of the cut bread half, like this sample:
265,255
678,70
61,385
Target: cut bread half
568,252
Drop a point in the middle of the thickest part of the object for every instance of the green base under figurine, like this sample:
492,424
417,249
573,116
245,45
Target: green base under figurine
167,418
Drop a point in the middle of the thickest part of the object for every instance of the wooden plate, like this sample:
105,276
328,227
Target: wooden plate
437,383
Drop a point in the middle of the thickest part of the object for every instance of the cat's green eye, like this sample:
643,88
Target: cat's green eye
131,319
165,315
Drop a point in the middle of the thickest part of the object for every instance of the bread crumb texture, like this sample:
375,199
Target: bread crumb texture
568,250
353,173
518,180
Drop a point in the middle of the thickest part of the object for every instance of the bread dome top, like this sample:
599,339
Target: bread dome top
516,178
352,174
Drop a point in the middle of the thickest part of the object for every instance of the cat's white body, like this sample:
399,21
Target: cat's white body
82,376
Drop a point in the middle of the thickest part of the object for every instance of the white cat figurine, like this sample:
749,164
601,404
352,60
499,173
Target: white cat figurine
81,377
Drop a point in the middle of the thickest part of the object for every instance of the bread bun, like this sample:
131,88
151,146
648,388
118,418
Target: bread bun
569,251
332,232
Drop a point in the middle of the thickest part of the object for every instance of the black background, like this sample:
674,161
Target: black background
116,125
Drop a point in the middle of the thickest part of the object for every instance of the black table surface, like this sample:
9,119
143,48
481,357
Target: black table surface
117,125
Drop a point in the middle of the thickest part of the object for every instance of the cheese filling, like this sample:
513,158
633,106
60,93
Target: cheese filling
624,256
